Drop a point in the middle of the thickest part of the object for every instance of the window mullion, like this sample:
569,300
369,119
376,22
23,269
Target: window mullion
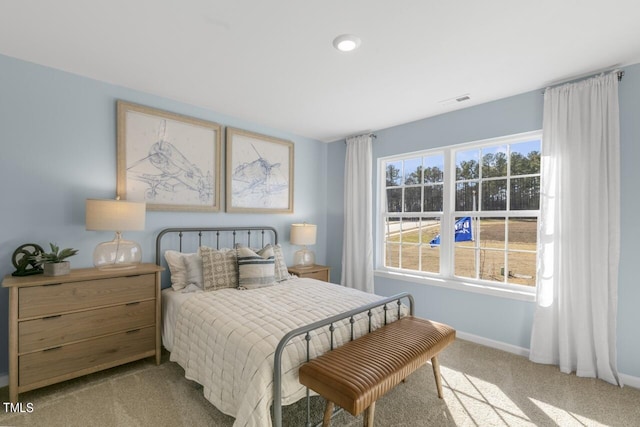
447,220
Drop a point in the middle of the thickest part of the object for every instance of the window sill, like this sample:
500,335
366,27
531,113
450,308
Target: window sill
521,295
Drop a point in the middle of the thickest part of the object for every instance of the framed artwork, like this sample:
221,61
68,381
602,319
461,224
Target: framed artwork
169,161
259,173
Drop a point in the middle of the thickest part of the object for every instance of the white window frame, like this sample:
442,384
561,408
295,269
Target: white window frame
446,276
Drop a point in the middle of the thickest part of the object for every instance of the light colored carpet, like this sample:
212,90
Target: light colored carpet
482,387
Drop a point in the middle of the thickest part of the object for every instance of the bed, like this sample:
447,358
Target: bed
245,346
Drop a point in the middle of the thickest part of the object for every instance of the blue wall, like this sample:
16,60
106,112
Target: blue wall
629,281
58,139
491,317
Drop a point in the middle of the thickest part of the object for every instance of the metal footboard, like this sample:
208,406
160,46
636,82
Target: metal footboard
329,322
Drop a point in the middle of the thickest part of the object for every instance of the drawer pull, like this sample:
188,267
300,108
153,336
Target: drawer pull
133,331
53,348
53,284
133,303
55,316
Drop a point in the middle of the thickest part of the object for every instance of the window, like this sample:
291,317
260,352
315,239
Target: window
414,193
469,211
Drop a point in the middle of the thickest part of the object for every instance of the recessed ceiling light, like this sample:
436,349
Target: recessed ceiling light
346,42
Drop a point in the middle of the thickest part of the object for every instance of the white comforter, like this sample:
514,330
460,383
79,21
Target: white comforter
226,339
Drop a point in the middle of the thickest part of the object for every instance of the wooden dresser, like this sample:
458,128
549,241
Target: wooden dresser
67,326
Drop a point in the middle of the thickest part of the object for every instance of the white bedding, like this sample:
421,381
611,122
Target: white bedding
226,339
171,303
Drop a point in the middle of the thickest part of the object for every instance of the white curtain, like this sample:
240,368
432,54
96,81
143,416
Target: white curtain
357,248
575,319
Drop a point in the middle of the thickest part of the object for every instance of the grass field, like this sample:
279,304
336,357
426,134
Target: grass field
487,257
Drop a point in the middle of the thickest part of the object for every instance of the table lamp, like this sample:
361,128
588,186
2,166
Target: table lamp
118,216
303,235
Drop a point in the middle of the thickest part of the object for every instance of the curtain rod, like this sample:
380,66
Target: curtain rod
372,135
620,74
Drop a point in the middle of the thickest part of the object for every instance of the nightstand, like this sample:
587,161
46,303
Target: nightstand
63,327
319,272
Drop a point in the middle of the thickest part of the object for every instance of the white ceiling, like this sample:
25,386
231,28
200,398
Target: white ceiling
273,63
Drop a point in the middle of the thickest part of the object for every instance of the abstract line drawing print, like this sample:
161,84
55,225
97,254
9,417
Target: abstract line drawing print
259,180
259,173
173,172
168,160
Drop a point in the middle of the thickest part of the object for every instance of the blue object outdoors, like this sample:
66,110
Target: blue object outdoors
462,232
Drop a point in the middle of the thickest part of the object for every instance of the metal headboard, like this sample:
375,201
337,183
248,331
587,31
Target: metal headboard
212,236
238,235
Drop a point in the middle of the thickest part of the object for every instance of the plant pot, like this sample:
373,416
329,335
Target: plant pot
57,268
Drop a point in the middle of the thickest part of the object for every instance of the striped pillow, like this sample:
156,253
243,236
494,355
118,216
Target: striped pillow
256,270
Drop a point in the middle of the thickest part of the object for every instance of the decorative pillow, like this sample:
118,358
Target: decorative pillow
219,268
281,270
193,262
256,270
178,269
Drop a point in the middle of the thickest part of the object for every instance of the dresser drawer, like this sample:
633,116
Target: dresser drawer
318,275
91,354
53,299
54,331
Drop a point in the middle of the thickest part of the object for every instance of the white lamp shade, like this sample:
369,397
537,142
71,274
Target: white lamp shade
303,234
115,215
118,216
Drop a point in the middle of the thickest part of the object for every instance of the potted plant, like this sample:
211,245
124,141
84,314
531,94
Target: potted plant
53,262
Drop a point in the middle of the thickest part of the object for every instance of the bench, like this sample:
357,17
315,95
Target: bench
356,374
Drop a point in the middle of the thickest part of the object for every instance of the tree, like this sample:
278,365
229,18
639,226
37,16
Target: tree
414,177
467,169
524,165
494,165
432,175
393,175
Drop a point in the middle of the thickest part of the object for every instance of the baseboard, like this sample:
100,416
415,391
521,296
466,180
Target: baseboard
509,348
627,380
4,380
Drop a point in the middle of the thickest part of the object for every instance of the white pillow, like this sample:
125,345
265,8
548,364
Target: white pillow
177,268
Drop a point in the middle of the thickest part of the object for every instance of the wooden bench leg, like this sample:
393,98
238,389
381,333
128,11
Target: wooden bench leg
328,411
436,374
368,415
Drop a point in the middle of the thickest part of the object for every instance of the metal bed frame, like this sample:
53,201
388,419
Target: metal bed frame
200,233
270,235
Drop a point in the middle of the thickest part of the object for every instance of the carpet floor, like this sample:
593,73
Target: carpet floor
482,387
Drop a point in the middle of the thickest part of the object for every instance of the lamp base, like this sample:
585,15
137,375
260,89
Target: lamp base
116,267
118,254
304,258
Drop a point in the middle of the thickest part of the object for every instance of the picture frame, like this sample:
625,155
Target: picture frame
259,173
170,161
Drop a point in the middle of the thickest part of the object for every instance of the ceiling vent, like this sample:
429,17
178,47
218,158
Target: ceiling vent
455,100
